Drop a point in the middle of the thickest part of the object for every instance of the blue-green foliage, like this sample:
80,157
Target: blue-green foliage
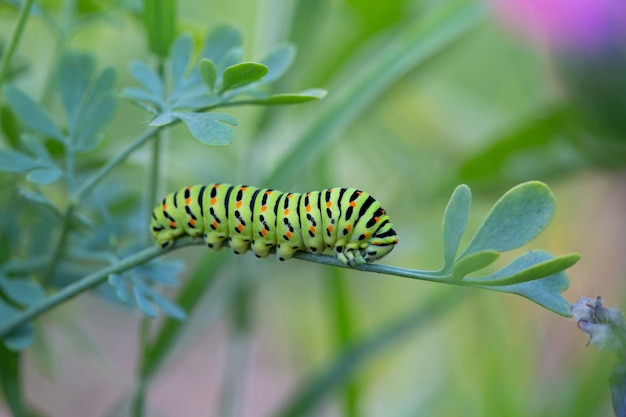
137,286
89,101
65,242
516,219
18,293
217,77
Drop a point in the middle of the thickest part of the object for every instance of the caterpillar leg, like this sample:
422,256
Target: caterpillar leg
349,256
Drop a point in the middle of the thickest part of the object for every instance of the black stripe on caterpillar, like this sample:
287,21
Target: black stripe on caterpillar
347,221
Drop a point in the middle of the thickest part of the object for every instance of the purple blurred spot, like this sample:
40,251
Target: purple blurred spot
586,25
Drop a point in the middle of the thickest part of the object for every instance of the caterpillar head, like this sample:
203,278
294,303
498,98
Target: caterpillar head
380,245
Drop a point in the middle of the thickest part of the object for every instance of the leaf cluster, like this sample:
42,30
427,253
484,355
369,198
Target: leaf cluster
216,78
49,150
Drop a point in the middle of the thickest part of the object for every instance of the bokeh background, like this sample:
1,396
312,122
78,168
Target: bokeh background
535,89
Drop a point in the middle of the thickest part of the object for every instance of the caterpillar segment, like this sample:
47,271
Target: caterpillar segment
346,221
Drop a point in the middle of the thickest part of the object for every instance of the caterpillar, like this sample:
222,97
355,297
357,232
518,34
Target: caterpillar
347,221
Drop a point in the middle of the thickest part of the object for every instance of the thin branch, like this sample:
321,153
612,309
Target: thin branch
78,287
59,247
7,57
152,252
116,160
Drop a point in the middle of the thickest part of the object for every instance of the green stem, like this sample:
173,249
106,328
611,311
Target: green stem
86,186
152,252
233,387
139,398
15,39
154,178
343,321
78,287
60,245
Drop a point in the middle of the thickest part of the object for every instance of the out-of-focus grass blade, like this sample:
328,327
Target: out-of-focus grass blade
403,51
160,19
533,134
314,390
10,379
342,319
190,294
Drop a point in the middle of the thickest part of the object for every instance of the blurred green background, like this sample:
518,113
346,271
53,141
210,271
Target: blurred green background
484,108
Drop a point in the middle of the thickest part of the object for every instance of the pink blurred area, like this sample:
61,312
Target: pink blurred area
569,25
93,347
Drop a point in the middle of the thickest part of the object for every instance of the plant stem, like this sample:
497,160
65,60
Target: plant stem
15,39
152,252
139,398
233,387
84,189
78,287
60,245
116,160
343,321
154,177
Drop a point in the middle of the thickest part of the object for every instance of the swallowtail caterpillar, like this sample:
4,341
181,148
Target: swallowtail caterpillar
347,221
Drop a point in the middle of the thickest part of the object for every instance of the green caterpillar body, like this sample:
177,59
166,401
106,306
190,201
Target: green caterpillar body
346,220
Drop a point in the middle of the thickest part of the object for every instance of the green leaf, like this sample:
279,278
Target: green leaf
242,74
543,291
232,57
73,76
288,98
14,161
162,119
474,262
531,272
142,301
278,61
96,117
160,20
39,199
208,72
31,114
149,79
34,145
9,125
97,112
168,307
20,338
454,223
180,57
517,218
45,175
220,42
211,129
139,95
22,292
10,378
